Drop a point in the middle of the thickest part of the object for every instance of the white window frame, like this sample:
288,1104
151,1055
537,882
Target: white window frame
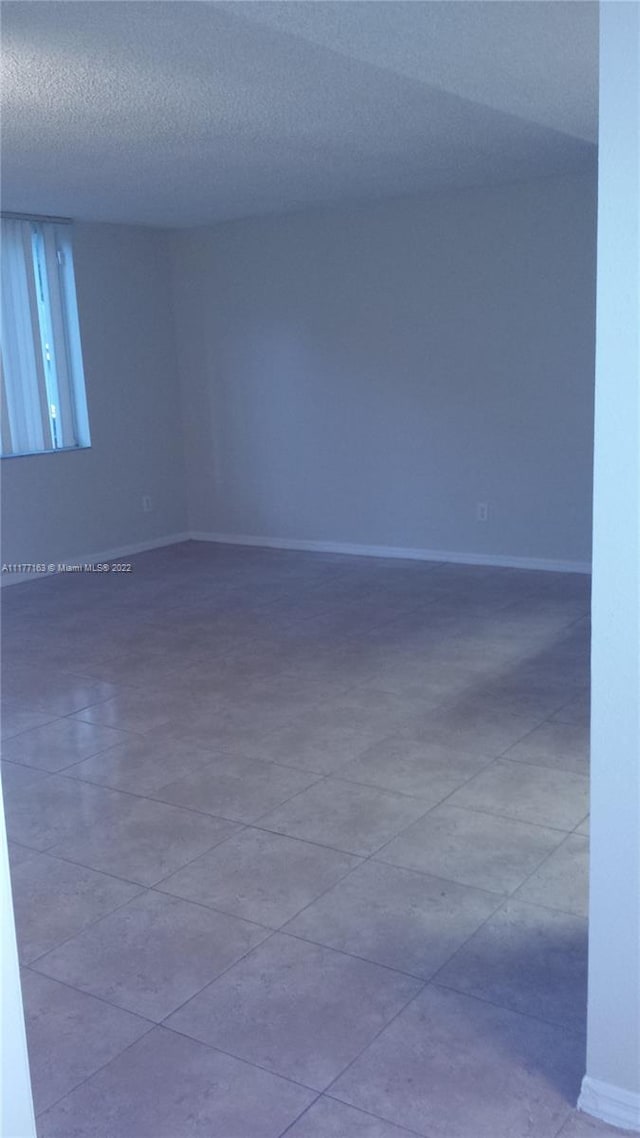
44,404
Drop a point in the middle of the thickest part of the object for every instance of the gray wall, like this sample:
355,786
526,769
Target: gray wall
75,503
364,375
369,375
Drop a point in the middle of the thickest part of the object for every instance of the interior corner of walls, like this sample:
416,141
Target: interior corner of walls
76,563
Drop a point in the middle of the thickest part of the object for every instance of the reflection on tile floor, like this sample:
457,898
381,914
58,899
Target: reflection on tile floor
299,846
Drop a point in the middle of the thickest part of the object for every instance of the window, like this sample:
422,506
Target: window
44,405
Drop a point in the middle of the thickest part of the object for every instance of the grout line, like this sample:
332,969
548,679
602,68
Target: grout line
76,762
144,884
375,1038
465,995
162,801
359,1110
85,928
288,1129
214,979
422,980
545,766
50,852
272,928
89,995
552,908
512,817
161,1022
576,1032
417,797
153,1025
469,810
87,1078
239,1059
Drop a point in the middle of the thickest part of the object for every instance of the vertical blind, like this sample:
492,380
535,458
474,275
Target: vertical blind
43,397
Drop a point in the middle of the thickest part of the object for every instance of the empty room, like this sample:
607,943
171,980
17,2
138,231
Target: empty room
320,559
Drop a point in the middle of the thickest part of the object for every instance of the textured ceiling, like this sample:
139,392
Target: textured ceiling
186,113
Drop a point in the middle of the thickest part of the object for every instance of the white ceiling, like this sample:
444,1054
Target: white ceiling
185,113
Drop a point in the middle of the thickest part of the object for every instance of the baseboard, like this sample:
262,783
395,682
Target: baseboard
610,1104
93,558
341,547
489,559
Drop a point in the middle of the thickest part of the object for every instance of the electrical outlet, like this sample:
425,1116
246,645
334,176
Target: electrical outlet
482,512
146,503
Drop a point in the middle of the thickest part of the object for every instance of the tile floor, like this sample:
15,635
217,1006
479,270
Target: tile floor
299,846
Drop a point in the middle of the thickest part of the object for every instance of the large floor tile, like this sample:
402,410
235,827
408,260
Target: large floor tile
52,690
545,797
44,809
413,766
212,729
315,742
357,819
562,746
70,1036
376,710
167,1086
562,881
141,765
150,665
53,900
568,671
577,711
454,1067
60,744
469,725
279,697
415,676
368,691
134,710
522,694
297,1009
18,716
529,959
482,850
16,778
260,876
327,1118
19,854
238,788
395,917
152,954
144,841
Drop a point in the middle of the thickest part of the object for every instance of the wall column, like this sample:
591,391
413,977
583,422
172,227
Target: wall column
16,1104
611,1087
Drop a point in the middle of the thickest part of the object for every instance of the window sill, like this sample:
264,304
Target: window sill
54,450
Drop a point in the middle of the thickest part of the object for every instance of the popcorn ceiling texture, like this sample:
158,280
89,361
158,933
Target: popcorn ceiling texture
181,114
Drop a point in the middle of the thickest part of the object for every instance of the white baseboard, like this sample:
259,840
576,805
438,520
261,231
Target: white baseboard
348,548
489,559
610,1104
94,558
